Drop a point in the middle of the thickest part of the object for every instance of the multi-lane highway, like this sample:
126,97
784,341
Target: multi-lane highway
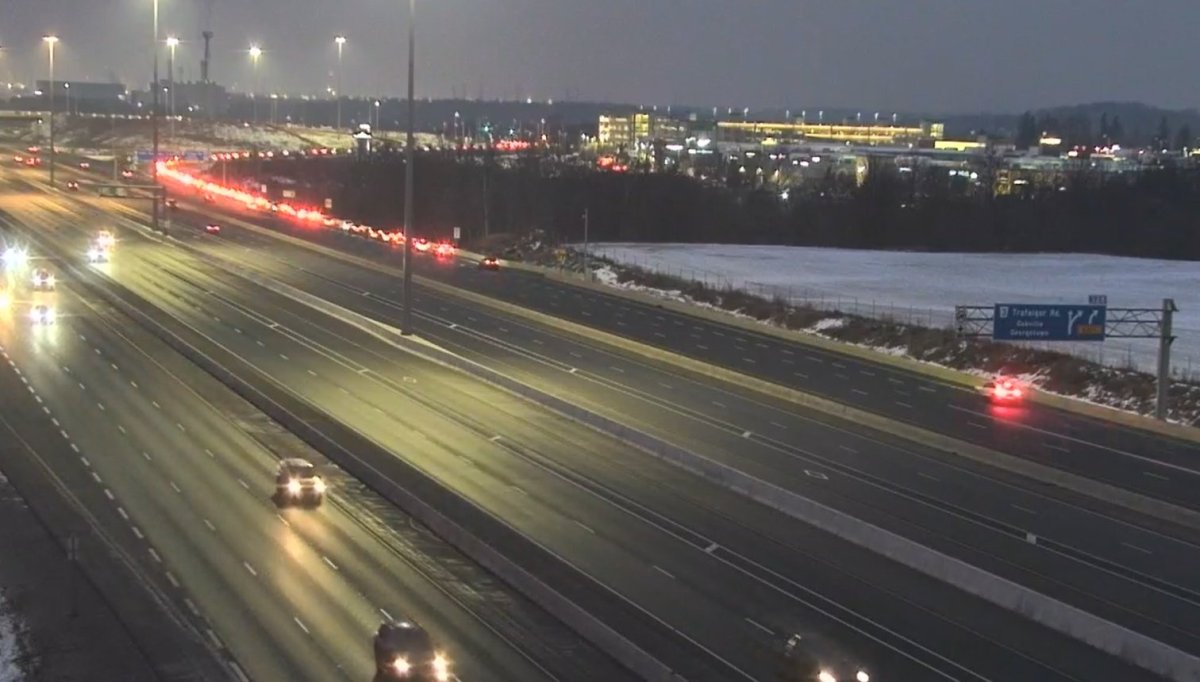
1136,459
731,576
1129,569
187,473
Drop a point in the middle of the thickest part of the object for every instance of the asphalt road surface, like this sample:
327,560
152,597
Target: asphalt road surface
733,576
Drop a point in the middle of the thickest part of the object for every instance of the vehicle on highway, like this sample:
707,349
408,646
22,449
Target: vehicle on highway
172,203
208,199
15,257
1004,390
33,161
43,280
405,651
444,250
97,254
85,165
41,314
421,244
105,239
127,174
33,149
489,263
212,228
72,185
799,664
297,482
18,158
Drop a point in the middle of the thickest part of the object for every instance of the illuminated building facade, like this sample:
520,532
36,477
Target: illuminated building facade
771,132
638,130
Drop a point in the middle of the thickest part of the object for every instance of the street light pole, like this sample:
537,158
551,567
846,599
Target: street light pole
406,318
255,53
341,42
51,41
154,115
172,42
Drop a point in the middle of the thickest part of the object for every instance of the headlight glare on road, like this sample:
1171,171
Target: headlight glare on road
401,666
293,486
441,668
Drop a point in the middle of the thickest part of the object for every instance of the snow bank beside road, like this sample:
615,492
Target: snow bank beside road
923,288
10,645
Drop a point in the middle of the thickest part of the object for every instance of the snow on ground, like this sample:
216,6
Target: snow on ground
923,288
10,649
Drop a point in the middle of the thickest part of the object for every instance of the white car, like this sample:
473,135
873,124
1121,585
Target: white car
41,314
297,481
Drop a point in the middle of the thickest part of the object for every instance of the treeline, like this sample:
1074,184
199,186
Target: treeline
1154,213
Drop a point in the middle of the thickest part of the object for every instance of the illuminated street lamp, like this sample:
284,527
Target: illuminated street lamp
51,41
341,42
255,53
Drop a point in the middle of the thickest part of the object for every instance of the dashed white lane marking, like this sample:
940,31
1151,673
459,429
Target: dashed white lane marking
894,380
718,404
748,360
154,555
210,525
175,487
858,391
701,346
301,624
927,389
97,478
124,514
191,606
1060,448
100,405
283,357
181,427
82,387
133,383
54,420
120,428
311,372
747,434
901,403
760,626
664,571
386,614
849,449
171,578
75,447
244,484
576,355
977,425
778,425
209,453
838,365
155,404
1151,474
922,474
250,568
1027,510
85,461
147,456
260,343
331,564
213,637
109,495
1143,550
584,526
616,369
866,372
665,385
138,532
114,366
518,490
285,521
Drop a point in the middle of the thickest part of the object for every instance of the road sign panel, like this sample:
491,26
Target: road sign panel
1097,299
1041,322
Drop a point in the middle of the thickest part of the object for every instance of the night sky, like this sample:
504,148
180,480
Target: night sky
907,55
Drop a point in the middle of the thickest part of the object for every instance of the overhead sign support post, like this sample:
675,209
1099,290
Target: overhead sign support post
1092,322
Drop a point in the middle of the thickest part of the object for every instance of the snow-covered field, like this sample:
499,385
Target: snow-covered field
923,288
9,647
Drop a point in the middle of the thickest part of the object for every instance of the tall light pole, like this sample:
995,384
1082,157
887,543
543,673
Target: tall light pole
154,112
255,53
406,318
341,42
51,41
172,42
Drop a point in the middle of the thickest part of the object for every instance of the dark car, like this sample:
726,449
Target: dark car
405,651
171,203
297,482
212,228
489,263
72,185
85,165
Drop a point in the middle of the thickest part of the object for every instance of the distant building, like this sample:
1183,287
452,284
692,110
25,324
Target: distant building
83,91
196,98
783,132
639,130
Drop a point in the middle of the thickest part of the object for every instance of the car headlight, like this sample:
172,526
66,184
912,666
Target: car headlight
862,676
49,281
441,668
319,486
293,487
401,666
826,676
14,256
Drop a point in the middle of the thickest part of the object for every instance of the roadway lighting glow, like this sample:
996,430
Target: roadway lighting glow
441,667
826,676
172,41
50,39
255,52
340,40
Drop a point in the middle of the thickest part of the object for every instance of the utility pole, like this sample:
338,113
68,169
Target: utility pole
409,155
154,114
1165,340
587,273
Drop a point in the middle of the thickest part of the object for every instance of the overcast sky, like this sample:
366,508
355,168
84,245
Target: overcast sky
908,55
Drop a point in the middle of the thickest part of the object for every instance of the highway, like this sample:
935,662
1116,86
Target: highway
187,469
1135,459
640,526
1129,569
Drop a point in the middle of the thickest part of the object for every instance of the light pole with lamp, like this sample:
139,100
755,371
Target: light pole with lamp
67,96
341,42
255,53
409,154
51,41
154,113
172,43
